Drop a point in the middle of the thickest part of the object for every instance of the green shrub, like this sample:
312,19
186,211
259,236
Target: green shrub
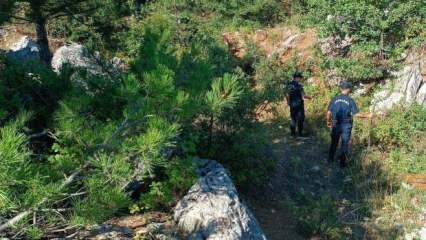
318,217
179,177
32,87
401,126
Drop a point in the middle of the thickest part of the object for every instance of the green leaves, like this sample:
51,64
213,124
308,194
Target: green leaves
224,94
367,20
148,149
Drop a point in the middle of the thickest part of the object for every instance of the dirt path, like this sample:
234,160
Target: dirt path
303,177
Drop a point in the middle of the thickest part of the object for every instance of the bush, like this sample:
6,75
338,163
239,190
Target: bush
251,150
31,87
401,127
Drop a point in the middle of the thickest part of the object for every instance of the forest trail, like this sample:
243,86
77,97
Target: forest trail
302,175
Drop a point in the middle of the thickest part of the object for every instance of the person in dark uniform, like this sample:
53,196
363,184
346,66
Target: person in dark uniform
340,113
295,100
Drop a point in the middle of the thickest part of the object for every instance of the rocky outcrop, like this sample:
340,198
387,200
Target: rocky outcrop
24,50
335,46
406,86
78,56
212,209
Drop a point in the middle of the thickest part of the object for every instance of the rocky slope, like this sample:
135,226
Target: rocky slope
405,86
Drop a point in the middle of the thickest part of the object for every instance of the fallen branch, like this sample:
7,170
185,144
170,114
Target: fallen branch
22,215
40,134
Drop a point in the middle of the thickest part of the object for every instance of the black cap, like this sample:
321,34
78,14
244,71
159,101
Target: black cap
345,85
297,75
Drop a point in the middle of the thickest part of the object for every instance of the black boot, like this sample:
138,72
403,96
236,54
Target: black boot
293,131
343,161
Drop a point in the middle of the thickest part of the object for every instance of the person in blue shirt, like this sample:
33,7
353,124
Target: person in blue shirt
340,113
295,99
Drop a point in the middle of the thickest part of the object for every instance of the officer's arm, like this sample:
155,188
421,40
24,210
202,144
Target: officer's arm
304,96
364,115
329,119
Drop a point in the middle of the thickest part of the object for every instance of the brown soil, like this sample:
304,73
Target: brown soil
417,180
10,34
270,41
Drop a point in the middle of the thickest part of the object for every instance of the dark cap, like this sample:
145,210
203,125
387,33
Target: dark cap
297,75
345,85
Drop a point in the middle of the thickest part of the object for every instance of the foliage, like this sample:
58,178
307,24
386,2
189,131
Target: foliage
367,20
379,31
250,150
179,177
321,219
32,87
183,96
354,70
401,126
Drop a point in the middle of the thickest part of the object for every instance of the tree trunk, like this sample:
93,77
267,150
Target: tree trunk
210,140
41,31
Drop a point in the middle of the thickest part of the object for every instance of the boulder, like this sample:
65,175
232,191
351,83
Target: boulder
76,55
335,46
24,50
212,209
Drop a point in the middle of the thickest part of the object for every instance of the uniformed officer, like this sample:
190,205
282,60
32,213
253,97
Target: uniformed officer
295,99
341,111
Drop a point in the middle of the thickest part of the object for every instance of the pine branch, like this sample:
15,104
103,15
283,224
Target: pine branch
120,129
54,10
11,222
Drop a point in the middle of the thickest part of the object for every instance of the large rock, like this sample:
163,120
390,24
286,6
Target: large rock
78,56
335,46
212,209
405,86
24,50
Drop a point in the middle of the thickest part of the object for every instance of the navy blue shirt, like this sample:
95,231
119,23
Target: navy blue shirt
343,108
295,93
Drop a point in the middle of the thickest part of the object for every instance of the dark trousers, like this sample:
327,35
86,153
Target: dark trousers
340,132
297,115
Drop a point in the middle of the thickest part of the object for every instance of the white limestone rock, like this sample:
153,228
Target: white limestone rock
75,55
212,209
25,49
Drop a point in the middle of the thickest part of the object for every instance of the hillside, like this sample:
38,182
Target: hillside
171,120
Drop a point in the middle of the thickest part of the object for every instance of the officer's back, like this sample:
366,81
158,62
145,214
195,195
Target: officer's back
343,108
